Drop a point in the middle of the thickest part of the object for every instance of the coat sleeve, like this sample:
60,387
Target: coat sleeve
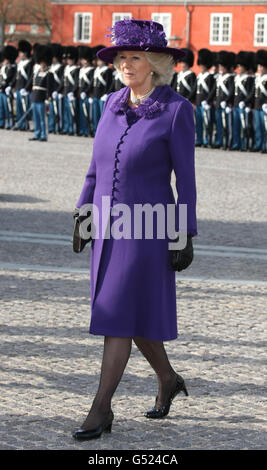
182,152
87,194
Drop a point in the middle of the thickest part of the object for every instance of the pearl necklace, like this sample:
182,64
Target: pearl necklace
137,101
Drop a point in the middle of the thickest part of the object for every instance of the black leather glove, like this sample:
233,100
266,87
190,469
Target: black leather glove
181,259
79,243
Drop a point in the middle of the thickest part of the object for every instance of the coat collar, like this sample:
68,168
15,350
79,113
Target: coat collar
151,107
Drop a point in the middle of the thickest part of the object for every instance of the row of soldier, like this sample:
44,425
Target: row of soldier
229,94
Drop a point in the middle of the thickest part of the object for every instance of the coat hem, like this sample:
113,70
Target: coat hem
107,333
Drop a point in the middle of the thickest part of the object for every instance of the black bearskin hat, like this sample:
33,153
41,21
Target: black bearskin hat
10,53
225,59
232,58
43,54
243,58
189,57
25,46
261,57
72,53
205,57
85,52
57,51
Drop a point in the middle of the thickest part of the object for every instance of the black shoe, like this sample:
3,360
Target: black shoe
43,140
33,138
82,434
164,410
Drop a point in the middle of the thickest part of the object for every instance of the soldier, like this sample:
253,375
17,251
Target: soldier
260,103
225,87
70,92
243,101
42,88
7,82
205,93
117,82
102,82
23,81
56,105
186,79
86,81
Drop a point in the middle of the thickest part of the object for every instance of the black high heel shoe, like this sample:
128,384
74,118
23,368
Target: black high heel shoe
85,434
164,410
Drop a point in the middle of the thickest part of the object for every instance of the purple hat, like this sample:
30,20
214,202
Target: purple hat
138,35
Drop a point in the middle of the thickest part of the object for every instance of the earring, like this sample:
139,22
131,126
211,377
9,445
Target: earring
151,73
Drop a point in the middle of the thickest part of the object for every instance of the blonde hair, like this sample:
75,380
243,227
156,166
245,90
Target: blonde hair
161,64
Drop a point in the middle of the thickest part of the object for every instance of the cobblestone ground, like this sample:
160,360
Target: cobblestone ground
50,364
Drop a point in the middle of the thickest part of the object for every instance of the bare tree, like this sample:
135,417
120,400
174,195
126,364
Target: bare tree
5,8
38,10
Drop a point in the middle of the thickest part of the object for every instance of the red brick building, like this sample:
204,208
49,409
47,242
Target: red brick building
217,25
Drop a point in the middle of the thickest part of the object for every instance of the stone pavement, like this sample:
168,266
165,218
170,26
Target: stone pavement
50,365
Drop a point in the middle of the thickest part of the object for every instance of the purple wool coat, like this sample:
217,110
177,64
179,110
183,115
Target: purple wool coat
132,284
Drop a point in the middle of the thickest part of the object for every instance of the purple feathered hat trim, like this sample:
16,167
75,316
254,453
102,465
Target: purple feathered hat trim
138,35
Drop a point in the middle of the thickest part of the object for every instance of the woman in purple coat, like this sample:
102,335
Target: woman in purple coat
146,130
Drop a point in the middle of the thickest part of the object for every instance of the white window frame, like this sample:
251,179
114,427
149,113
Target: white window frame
12,28
220,40
258,16
121,16
34,28
83,39
159,18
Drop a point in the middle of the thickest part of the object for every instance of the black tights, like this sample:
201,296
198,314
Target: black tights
116,353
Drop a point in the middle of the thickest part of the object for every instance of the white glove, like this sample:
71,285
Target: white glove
23,92
60,96
54,95
15,94
83,95
242,104
90,100
8,90
71,96
203,103
223,104
228,109
264,108
247,109
104,97
47,102
207,106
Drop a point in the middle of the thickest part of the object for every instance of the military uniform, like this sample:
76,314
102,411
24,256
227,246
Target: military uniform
260,104
205,93
243,101
23,80
7,82
70,92
86,79
55,115
42,88
185,81
102,81
224,101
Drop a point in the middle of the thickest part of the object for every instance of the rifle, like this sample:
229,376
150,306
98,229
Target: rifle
24,107
73,115
225,132
10,109
243,129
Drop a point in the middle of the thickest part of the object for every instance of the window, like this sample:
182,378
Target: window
120,16
260,29
34,28
166,20
11,28
82,27
220,28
